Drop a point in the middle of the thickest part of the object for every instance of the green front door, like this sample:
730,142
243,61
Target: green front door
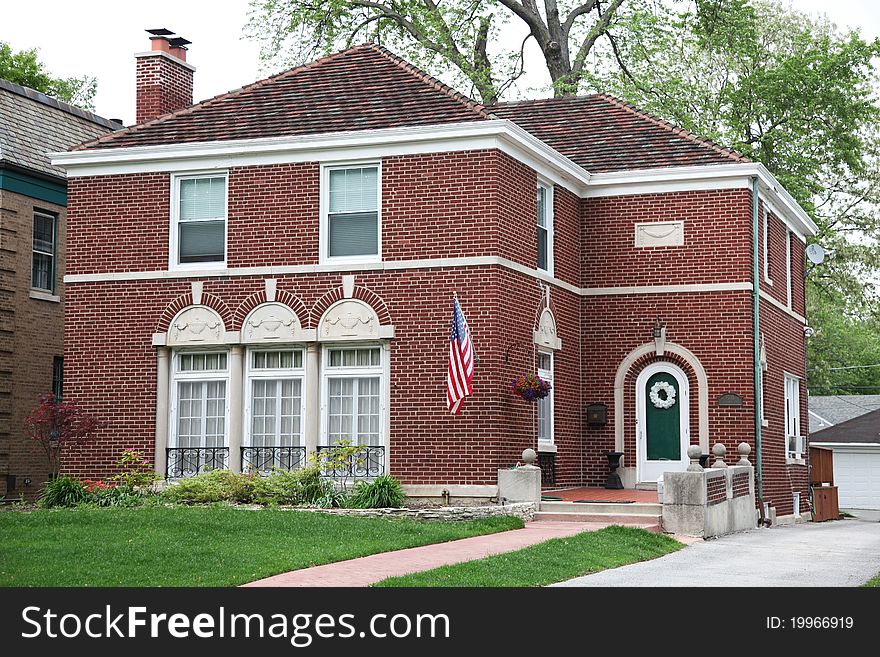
662,418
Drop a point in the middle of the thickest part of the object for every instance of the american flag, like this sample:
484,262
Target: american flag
461,361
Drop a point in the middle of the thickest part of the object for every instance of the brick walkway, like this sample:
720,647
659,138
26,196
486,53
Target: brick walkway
367,570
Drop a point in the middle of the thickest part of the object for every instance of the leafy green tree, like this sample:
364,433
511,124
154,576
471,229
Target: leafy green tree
459,37
794,93
25,68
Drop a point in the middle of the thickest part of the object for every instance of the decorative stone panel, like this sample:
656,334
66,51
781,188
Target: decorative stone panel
271,322
546,335
660,233
196,325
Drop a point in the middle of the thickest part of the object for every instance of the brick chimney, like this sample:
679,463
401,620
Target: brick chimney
164,79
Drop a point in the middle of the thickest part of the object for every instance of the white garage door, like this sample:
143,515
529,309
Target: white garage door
857,475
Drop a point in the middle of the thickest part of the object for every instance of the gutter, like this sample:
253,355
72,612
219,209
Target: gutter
756,329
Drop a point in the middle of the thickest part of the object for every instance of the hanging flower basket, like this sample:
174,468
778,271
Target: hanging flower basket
531,387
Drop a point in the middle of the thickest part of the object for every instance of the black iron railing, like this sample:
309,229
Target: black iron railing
265,459
547,463
368,461
190,461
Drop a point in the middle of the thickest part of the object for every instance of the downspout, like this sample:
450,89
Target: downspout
756,329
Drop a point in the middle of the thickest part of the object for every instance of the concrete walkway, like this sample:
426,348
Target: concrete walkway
840,553
368,570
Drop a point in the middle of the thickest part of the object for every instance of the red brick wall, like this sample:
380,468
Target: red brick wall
441,205
717,234
163,86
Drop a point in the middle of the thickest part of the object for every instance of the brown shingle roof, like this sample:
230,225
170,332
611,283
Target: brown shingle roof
602,133
368,87
362,88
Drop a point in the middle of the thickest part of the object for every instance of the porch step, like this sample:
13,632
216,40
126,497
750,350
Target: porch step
617,508
639,520
641,514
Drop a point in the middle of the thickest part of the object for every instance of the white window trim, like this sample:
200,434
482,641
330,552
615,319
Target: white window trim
252,374
788,267
173,232
324,206
200,375
382,370
767,278
549,444
798,459
549,197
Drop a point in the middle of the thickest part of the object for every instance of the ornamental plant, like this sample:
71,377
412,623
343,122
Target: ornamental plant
57,425
531,387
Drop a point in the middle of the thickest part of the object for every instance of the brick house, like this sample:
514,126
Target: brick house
272,270
33,200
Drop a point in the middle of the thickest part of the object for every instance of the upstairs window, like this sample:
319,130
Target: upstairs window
199,221
351,223
545,228
43,260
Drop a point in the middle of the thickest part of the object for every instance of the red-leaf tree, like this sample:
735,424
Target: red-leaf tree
57,425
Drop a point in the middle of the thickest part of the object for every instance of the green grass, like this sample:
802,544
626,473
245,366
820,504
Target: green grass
874,582
546,563
198,546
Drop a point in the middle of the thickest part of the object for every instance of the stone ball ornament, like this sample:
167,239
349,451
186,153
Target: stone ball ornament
529,456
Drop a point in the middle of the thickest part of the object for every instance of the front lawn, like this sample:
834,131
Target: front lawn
874,582
547,563
198,546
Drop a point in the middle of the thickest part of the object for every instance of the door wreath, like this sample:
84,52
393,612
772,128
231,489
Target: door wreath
669,391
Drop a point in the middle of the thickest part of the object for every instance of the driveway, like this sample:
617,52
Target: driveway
840,553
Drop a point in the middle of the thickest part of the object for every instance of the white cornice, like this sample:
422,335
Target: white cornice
329,147
500,134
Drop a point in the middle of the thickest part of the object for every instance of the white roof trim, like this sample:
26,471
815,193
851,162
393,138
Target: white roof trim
499,133
328,147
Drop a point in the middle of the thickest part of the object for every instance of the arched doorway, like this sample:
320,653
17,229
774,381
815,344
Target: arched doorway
662,421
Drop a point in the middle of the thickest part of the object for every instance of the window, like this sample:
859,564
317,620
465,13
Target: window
788,265
58,377
766,250
43,262
199,220
351,201
199,413
353,396
275,400
545,405
794,440
545,228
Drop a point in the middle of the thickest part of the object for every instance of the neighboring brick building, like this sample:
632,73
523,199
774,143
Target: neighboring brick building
259,275
33,198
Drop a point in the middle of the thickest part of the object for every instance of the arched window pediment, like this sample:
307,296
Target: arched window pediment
271,322
352,319
196,325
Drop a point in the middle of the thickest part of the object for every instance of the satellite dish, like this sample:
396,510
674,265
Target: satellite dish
816,254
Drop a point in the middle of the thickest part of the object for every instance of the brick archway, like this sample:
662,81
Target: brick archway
648,352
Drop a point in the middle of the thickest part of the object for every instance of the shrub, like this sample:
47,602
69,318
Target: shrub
213,486
100,493
304,486
63,492
384,491
135,471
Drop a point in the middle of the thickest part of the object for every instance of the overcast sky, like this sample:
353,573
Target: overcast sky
100,37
